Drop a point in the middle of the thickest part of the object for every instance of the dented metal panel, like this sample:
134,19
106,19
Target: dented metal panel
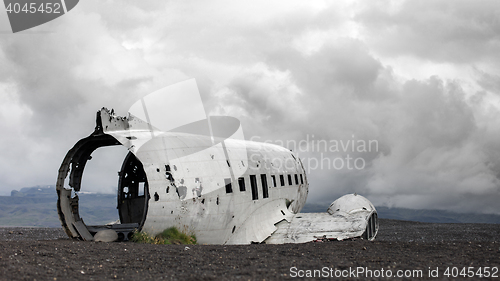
347,217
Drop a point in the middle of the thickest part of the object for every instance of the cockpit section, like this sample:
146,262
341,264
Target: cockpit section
132,195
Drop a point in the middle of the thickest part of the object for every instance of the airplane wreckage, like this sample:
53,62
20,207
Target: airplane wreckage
197,173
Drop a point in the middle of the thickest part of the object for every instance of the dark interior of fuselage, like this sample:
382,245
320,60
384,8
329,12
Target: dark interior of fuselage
132,191
132,199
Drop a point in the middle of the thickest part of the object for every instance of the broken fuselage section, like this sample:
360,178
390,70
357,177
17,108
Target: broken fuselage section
223,190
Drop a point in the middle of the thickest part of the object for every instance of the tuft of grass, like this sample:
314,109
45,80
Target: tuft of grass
143,237
169,236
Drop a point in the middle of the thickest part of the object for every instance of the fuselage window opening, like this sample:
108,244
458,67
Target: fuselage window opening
282,180
301,179
140,191
273,177
296,179
241,183
253,185
290,179
229,188
265,190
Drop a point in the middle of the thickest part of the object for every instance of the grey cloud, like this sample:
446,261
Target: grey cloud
230,33
345,63
432,149
456,31
488,81
61,79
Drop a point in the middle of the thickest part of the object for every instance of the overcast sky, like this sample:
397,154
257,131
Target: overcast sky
420,79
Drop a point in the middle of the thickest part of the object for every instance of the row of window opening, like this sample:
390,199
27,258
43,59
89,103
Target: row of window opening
263,180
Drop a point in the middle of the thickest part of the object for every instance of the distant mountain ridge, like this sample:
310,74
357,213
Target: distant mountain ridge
35,191
36,206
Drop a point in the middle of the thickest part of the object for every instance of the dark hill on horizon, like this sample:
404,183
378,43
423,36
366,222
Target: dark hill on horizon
36,206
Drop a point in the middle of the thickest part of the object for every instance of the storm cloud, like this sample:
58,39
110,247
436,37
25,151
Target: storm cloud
419,79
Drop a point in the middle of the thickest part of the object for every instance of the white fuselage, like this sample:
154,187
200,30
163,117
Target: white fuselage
219,192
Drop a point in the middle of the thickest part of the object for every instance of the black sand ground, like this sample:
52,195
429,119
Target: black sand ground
400,248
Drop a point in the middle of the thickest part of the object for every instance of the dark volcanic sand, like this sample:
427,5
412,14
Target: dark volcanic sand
47,254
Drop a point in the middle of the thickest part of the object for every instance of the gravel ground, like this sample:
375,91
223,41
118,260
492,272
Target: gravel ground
400,248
